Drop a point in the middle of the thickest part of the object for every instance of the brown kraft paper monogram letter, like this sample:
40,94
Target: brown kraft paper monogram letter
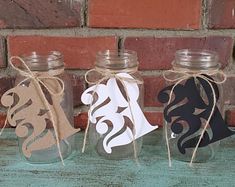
28,106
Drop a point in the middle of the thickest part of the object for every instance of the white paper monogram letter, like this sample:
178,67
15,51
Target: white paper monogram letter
112,114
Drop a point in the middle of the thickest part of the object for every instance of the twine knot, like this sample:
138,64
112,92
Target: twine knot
37,78
184,74
106,74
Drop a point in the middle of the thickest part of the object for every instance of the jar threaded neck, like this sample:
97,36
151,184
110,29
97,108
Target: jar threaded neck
43,62
115,60
196,59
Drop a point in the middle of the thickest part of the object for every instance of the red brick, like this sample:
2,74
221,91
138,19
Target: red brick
79,86
158,53
6,83
152,86
39,14
2,120
79,53
2,53
154,117
80,120
167,14
229,90
221,14
230,117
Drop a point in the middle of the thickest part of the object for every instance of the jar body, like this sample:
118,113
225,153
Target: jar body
67,146
184,129
204,153
96,139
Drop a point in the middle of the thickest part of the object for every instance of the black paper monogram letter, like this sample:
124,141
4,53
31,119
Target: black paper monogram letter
187,99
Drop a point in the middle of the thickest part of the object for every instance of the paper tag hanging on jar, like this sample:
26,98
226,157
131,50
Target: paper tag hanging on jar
115,111
186,111
28,106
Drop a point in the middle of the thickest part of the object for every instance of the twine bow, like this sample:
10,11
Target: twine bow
38,81
106,75
184,75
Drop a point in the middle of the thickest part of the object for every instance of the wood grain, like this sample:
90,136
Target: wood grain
90,170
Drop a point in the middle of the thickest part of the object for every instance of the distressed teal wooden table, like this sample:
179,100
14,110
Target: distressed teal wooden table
87,170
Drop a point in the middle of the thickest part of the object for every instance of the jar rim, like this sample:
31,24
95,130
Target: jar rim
116,59
43,61
34,54
111,54
196,58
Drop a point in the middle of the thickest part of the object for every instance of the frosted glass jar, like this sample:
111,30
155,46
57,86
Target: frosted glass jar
116,62
181,129
51,63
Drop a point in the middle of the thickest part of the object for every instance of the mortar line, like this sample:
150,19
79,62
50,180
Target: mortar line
156,73
85,12
204,15
153,109
229,107
94,32
120,44
5,52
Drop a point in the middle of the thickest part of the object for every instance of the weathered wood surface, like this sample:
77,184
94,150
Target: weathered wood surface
88,170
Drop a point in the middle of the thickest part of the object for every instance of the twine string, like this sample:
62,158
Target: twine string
107,74
89,111
38,81
5,124
168,148
184,75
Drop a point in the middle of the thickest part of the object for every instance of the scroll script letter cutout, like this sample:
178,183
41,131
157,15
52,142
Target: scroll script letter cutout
26,109
185,112
111,114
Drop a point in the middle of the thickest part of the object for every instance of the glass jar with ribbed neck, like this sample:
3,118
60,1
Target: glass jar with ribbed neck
196,73
49,64
196,60
111,63
116,60
44,61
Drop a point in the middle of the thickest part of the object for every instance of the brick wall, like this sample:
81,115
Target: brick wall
153,28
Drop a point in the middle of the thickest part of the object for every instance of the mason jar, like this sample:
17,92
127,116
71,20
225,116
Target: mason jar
115,62
191,103
49,64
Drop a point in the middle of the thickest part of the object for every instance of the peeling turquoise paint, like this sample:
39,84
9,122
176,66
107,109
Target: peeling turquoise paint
89,170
